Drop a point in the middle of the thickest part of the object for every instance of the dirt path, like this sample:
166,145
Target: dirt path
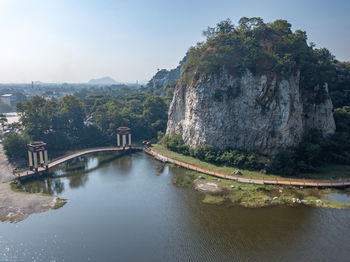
5,167
16,206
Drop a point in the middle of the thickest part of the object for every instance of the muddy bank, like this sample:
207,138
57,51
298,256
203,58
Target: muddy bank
16,206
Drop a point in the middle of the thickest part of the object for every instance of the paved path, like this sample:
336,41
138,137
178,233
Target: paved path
5,167
241,179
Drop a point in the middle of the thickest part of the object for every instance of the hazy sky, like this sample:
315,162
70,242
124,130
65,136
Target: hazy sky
76,40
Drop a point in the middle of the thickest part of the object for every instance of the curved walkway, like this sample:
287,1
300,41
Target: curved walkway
281,181
65,158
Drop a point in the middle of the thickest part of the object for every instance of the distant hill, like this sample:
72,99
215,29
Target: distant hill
103,81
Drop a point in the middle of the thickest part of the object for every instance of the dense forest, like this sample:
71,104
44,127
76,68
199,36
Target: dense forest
60,123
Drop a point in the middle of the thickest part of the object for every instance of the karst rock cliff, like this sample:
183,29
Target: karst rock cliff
253,112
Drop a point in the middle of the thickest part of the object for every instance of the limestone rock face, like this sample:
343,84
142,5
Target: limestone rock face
255,113
163,77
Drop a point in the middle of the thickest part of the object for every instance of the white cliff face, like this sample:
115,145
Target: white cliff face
250,112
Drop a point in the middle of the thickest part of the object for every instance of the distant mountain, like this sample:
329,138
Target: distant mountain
103,81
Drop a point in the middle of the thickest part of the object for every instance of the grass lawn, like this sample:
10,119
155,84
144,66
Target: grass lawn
324,172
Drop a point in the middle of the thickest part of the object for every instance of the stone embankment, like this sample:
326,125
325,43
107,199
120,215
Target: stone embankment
275,181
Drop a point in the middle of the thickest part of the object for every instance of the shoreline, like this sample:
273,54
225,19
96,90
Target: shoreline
262,180
223,190
217,188
16,206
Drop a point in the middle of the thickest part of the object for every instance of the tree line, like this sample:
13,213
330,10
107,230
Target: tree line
60,123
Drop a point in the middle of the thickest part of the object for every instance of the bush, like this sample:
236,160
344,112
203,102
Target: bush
175,143
211,154
15,146
315,150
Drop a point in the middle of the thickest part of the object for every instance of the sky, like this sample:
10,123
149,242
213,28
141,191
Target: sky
77,40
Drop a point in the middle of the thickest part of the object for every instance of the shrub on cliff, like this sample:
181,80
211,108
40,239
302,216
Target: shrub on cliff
271,48
315,150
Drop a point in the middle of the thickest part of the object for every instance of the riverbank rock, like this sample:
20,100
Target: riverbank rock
237,172
207,186
296,200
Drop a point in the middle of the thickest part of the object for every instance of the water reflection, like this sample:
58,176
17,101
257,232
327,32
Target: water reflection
120,211
75,171
253,232
47,186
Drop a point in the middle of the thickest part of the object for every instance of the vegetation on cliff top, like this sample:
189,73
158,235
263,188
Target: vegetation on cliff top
261,48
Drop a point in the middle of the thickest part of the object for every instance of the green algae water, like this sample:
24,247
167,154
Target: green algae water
126,209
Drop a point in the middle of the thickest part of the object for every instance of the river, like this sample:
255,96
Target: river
128,210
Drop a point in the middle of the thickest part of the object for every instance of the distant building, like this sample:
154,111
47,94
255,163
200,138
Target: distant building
7,99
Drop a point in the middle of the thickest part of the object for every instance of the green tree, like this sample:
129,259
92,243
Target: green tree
39,115
71,113
15,146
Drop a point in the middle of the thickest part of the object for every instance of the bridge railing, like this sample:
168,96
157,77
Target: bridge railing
81,151
92,150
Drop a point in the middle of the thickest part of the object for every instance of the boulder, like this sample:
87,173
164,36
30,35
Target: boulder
238,173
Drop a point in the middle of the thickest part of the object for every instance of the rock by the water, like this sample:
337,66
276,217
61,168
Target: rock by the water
296,200
253,112
237,172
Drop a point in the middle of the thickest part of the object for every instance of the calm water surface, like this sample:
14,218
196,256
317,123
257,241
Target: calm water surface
122,211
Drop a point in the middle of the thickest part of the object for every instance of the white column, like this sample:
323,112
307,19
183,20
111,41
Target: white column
46,158
41,156
129,139
118,140
124,140
30,158
35,160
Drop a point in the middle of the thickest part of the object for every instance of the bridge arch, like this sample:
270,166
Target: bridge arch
43,164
